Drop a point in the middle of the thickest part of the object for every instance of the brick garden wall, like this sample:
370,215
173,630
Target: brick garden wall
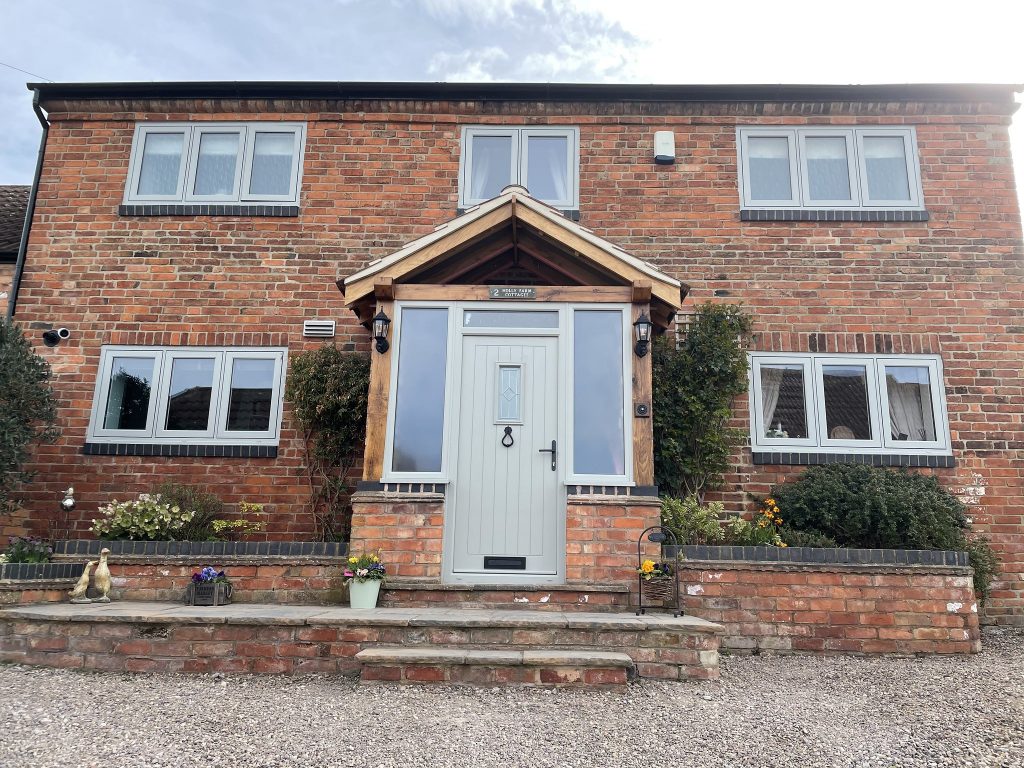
601,538
406,529
867,609
377,174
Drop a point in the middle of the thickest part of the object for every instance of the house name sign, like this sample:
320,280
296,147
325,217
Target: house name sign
512,292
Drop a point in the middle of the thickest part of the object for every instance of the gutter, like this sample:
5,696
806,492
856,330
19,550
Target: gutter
19,264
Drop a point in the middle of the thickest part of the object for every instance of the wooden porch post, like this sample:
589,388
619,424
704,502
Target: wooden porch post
643,427
380,389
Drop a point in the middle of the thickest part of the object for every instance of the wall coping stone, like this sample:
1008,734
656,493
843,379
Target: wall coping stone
192,549
753,565
21,572
822,555
614,501
393,497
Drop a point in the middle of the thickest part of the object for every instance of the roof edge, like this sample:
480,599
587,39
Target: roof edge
441,91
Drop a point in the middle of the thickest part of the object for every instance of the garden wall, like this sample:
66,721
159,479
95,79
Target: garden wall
844,607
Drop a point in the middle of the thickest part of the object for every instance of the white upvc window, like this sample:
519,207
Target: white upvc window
544,160
831,403
208,162
188,395
815,167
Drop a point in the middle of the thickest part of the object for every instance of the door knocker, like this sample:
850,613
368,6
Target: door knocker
508,441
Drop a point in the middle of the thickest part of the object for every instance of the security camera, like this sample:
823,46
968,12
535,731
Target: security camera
53,337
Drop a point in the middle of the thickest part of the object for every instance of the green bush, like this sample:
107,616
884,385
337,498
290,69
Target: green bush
27,549
28,409
692,522
876,508
694,384
147,518
204,505
793,538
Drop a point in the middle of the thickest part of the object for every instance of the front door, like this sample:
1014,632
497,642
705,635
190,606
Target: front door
507,520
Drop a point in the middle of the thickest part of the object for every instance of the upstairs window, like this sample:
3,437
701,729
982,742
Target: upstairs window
216,163
544,160
826,167
848,404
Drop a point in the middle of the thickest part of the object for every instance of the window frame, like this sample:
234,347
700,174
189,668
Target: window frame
193,132
878,405
855,160
519,135
155,432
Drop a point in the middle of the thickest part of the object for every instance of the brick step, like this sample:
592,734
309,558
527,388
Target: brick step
557,597
542,667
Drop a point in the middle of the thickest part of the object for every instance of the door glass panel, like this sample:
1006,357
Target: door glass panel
828,168
272,161
252,394
131,383
599,446
847,414
911,416
419,395
161,164
547,167
885,162
491,169
768,164
510,393
497,318
188,404
783,410
218,161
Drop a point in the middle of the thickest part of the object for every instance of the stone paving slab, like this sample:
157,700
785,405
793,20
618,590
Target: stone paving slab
292,615
542,658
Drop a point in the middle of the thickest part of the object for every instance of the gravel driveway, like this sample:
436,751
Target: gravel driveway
765,711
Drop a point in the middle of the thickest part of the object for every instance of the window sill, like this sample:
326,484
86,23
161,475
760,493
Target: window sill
191,209
224,451
830,214
873,459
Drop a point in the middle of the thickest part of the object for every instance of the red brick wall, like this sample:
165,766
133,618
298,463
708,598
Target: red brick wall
601,538
379,174
407,531
6,276
876,609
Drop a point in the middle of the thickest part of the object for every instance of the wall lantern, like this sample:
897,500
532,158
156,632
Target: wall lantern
642,327
381,326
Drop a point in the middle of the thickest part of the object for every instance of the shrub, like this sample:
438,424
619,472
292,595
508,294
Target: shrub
692,522
28,409
204,505
694,383
328,390
27,549
877,508
233,530
147,518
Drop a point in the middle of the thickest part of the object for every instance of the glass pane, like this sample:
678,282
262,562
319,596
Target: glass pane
846,402
910,403
547,167
828,169
599,444
252,394
783,410
419,398
131,381
272,161
491,168
188,405
885,162
768,161
510,392
498,318
218,160
161,163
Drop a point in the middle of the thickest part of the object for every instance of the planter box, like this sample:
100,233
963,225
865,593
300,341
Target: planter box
209,593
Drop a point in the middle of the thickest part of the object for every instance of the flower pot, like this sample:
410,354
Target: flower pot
363,594
208,593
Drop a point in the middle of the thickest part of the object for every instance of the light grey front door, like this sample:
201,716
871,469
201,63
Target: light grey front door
507,517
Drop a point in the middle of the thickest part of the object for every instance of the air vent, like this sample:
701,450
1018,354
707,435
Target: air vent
318,329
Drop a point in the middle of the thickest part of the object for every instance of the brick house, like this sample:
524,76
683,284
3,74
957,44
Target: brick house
512,241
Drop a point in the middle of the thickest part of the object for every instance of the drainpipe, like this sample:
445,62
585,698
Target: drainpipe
19,265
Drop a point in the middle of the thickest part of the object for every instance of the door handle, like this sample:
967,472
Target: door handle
553,450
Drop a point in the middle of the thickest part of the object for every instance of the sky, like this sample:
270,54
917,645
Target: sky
627,41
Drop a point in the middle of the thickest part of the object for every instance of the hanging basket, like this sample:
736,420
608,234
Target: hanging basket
659,589
208,593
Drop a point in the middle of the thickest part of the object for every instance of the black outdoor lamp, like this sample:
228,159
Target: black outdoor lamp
642,328
381,326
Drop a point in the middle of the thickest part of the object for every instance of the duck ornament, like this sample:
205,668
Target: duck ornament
77,594
101,579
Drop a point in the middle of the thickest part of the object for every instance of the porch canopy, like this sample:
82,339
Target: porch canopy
513,239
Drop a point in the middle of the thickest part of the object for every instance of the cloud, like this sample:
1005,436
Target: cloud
474,66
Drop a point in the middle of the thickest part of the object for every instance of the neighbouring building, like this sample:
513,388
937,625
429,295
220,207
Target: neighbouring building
511,241
13,204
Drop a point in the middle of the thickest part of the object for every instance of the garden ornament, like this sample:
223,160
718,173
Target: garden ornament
77,594
102,578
